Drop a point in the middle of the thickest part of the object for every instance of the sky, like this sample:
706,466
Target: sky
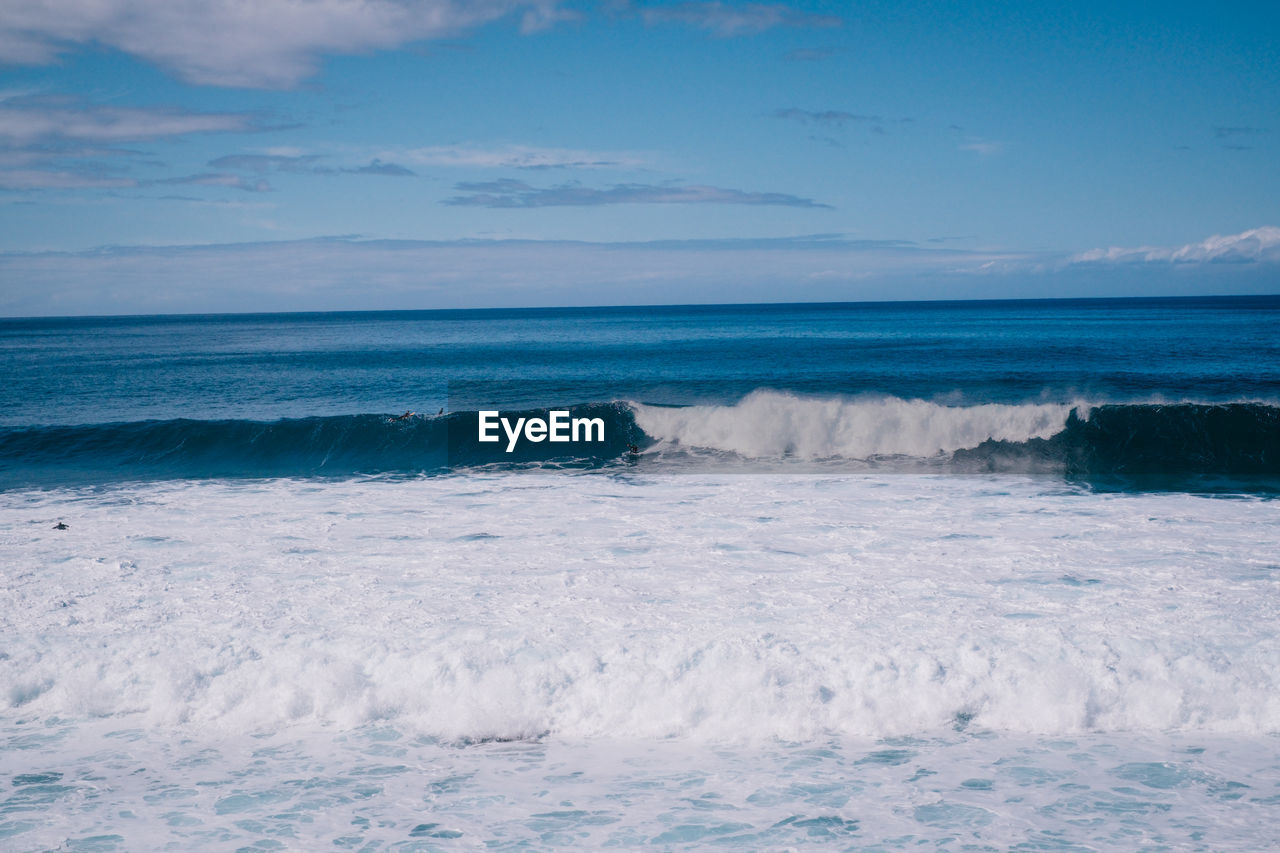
174,156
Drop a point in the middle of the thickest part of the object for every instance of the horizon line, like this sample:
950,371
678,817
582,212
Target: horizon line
666,306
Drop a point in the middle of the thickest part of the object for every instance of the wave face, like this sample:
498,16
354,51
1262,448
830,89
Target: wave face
335,446
1074,440
1146,440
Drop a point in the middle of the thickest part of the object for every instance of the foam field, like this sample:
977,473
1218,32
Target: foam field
600,658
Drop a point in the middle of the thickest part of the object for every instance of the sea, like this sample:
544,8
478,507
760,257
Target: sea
998,575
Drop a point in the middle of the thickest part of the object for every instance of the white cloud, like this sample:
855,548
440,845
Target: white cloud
12,158
249,43
43,179
336,274
517,157
216,179
1253,246
220,203
69,138
729,19
507,193
984,147
284,151
25,121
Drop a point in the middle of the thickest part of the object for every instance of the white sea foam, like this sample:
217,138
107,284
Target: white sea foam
586,606
770,423
757,621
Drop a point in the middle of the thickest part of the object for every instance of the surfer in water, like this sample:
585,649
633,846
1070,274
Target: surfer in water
404,417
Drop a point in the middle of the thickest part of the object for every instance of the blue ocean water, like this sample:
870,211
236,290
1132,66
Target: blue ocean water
1158,386
988,576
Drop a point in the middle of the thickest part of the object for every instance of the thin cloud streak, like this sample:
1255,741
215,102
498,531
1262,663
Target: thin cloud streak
15,157
49,179
518,157
728,20
517,194
377,167
809,54
263,163
214,179
30,120
307,164
1228,132
985,147
824,118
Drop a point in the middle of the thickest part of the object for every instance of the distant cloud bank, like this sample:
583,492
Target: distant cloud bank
347,274
1258,245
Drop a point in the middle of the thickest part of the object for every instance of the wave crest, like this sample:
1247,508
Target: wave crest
771,424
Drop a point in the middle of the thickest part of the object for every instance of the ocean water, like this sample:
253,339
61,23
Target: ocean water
971,576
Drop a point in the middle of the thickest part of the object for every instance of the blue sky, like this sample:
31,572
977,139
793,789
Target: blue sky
335,154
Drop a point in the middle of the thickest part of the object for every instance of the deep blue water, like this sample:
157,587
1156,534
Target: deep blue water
302,394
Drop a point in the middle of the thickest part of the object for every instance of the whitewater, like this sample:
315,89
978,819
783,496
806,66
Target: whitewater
770,424
878,660
843,576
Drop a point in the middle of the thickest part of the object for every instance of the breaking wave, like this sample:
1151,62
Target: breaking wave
768,424
1075,439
